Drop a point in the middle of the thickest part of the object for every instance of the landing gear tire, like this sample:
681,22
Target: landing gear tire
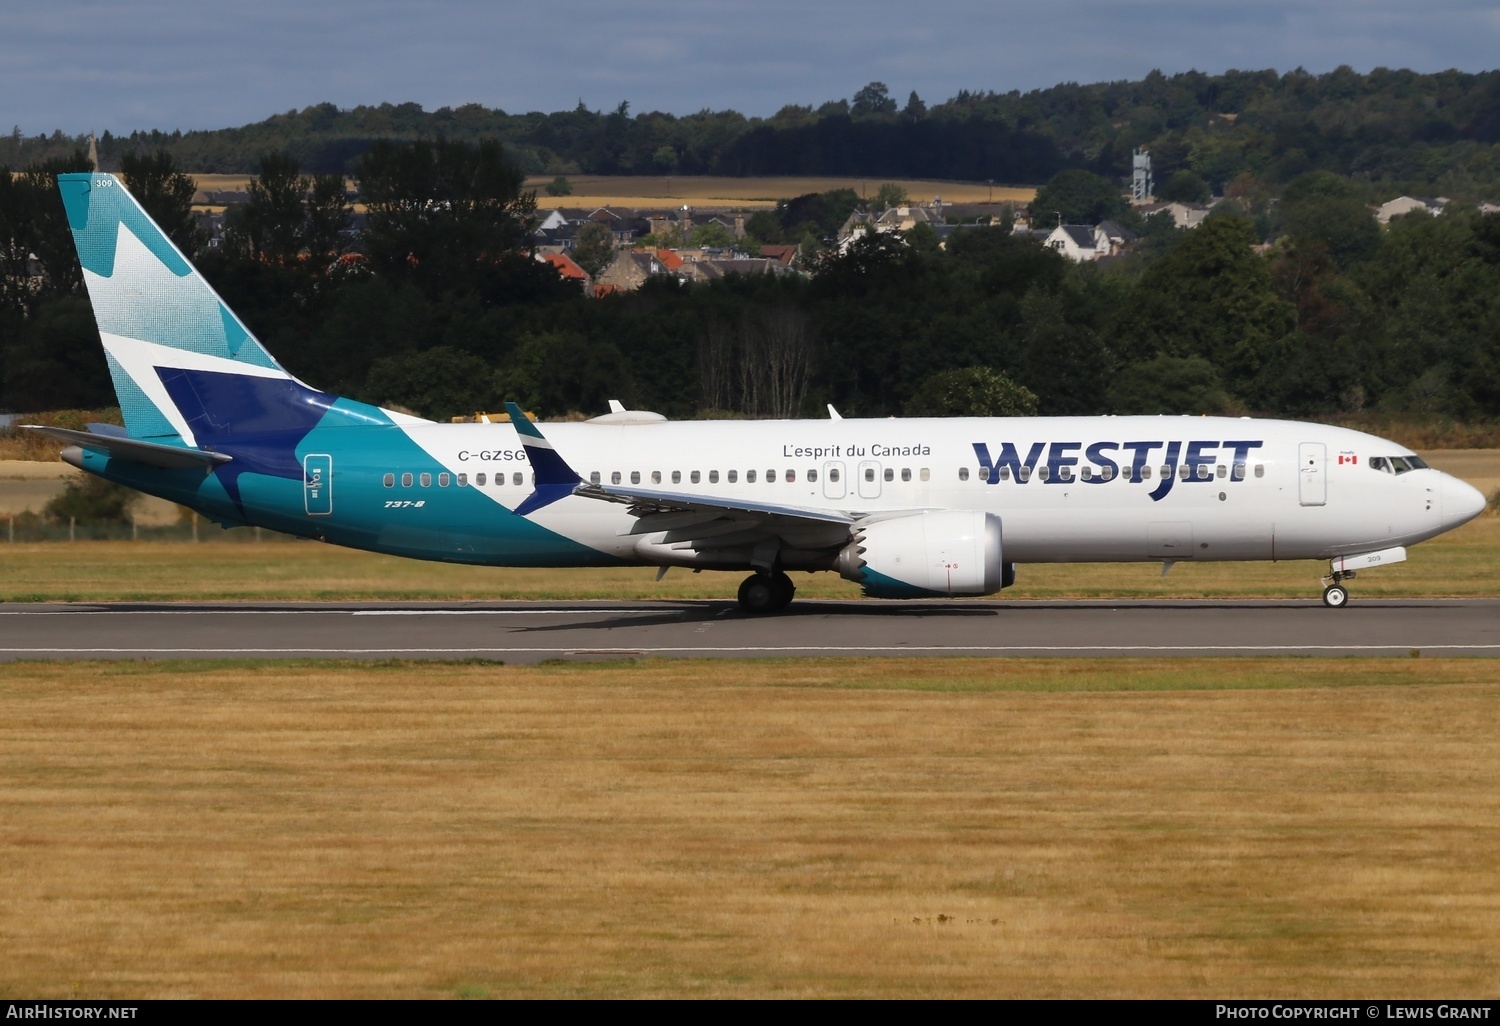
1335,596
766,593
782,590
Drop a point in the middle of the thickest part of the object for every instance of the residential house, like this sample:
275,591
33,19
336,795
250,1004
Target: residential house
1183,215
1078,242
783,255
568,268
894,219
628,271
1402,205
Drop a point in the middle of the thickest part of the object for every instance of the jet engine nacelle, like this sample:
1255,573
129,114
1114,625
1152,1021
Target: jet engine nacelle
953,552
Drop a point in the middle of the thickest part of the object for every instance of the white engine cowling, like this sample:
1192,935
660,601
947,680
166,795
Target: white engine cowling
953,552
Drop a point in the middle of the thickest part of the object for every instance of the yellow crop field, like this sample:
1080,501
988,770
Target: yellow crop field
657,191
824,828
707,191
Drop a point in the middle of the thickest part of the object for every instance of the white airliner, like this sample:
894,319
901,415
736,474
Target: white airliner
906,508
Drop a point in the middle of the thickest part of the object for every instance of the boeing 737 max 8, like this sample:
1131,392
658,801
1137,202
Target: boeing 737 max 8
905,508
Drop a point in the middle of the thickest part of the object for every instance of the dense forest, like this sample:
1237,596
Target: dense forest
1393,130
445,312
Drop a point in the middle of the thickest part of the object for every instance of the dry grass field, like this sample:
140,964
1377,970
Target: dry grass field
706,191
881,828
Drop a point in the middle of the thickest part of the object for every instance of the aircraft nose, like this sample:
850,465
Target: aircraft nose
1462,502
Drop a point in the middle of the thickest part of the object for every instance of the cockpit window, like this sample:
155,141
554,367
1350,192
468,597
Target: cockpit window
1397,464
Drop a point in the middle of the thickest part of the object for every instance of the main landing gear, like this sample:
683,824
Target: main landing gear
766,593
1335,595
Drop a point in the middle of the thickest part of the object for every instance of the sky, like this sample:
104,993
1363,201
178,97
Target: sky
121,65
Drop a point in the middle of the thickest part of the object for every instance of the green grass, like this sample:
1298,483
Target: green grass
1460,564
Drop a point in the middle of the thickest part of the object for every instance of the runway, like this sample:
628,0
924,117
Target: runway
528,632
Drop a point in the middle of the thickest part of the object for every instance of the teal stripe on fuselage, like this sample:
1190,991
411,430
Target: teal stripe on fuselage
452,524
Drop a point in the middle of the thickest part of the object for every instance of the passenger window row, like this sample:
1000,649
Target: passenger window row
1087,473
750,476
481,479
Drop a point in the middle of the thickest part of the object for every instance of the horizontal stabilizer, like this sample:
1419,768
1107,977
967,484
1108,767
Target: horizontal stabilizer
168,457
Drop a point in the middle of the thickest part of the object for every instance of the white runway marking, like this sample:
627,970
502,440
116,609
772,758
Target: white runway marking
315,612
740,649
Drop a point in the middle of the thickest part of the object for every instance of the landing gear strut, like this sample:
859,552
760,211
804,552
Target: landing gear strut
1335,595
766,593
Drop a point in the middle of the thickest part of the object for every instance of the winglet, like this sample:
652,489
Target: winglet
554,478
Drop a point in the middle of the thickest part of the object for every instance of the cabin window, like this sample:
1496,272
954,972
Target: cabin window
749,477
1023,475
1107,473
713,477
614,477
791,477
443,480
695,477
516,479
656,477
1260,470
1044,473
593,477
463,480
833,473
734,476
869,473
1184,471
1065,473
677,477
926,474
479,479
963,473
1004,473
406,480
1222,470
635,477
984,473
1166,471
890,473
906,473
1239,472
812,475
770,477
389,480
1087,474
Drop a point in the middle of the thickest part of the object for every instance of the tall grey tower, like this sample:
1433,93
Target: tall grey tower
1141,185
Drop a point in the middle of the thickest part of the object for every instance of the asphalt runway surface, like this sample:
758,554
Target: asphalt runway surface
528,632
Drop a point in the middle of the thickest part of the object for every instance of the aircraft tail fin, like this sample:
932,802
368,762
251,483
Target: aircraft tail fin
155,312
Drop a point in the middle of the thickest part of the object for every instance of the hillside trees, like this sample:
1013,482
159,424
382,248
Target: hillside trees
441,211
49,345
1077,197
1408,132
158,182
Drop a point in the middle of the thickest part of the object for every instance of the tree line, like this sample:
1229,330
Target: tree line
1392,130
439,307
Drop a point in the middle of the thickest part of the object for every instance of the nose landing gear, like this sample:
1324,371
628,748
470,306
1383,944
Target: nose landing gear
1335,595
766,593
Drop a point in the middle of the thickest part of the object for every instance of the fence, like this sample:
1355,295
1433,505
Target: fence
25,530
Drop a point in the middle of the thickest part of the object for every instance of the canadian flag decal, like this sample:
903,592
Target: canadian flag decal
1347,457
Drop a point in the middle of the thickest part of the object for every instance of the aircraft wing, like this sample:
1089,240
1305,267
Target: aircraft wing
644,502
686,520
